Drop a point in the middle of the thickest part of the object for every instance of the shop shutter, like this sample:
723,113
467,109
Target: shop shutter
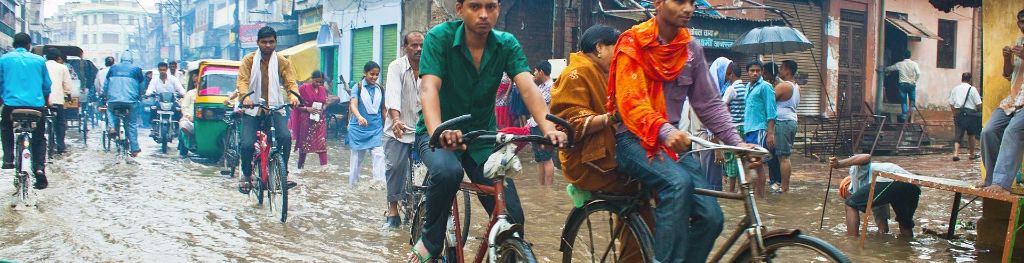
389,48
362,51
809,74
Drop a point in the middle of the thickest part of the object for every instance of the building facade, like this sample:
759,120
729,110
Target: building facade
107,28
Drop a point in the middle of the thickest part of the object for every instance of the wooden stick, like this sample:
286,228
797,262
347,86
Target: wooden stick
867,211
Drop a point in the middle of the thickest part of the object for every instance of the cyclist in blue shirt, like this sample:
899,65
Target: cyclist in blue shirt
24,84
123,87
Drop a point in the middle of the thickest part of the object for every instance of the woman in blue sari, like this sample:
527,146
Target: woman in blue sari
366,124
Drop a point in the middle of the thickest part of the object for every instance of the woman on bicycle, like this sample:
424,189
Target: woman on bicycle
580,97
366,126
310,134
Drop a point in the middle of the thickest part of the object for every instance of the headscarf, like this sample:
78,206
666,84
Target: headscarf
718,68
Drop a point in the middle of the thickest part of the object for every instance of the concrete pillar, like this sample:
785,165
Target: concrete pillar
992,227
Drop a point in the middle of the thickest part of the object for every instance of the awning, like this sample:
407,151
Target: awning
305,59
915,31
329,35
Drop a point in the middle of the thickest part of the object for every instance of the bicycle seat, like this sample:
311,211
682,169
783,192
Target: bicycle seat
19,115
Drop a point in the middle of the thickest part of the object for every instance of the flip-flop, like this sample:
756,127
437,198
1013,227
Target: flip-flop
421,258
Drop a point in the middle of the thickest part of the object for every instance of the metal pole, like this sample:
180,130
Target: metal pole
24,16
238,32
181,34
880,57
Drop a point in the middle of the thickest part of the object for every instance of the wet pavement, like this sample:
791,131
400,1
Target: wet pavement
169,209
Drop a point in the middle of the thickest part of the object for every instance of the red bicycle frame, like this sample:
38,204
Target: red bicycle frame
262,150
499,208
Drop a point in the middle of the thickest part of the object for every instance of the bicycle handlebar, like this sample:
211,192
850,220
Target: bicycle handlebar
263,104
499,137
756,151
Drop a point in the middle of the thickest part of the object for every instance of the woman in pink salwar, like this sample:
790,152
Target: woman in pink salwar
307,122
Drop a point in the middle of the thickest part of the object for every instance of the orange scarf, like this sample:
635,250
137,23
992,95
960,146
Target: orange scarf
643,56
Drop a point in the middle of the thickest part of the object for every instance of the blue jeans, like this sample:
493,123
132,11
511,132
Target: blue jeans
132,131
907,92
445,169
1002,147
685,224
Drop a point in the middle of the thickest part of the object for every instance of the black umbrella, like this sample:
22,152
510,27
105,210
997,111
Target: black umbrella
772,40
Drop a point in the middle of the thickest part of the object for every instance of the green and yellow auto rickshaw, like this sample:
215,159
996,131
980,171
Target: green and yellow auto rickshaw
214,81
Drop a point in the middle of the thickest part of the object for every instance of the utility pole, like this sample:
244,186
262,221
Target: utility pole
24,16
238,32
181,34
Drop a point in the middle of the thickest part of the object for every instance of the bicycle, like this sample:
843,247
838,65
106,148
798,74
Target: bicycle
229,142
118,139
85,112
24,123
105,141
504,241
51,133
623,211
268,162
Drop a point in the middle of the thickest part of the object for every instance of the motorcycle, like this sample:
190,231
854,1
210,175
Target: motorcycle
165,123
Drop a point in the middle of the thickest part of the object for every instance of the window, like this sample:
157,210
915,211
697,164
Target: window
85,20
110,19
111,38
85,39
131,20
250,4
947,46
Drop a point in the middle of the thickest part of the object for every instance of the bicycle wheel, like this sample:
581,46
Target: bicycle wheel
416,229
796,248
273,184
279,181
515,250
21,178
596,233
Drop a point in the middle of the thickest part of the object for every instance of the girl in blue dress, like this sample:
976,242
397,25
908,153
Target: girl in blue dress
366,124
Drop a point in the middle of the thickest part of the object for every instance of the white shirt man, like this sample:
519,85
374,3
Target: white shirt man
908,70
165,83
964,96
60,78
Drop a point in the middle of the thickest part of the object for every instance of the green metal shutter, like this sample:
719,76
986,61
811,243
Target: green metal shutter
362,51
329,58
389,48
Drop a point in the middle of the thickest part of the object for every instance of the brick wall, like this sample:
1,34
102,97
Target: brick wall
532,22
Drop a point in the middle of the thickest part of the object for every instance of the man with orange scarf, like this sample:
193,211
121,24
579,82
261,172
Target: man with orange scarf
656,66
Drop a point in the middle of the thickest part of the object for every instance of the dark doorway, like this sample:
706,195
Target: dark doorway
852,44
895,51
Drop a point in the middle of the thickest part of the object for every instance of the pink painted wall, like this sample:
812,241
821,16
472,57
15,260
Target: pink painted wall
935,84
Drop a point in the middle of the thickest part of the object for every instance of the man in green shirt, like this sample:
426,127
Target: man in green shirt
460,69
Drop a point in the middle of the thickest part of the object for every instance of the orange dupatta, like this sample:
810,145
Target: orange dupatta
647,64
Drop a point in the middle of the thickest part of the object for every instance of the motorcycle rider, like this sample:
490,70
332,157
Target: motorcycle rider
164,83
122,88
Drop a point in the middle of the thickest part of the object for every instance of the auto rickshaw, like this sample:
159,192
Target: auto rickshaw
214,81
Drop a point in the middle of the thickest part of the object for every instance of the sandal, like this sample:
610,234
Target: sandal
416,255
244,186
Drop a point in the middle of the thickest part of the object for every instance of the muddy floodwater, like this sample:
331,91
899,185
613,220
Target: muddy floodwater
170,209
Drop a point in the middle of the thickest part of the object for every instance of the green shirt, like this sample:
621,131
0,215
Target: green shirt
464,89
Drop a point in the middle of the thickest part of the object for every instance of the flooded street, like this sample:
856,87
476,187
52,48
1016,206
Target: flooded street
169,209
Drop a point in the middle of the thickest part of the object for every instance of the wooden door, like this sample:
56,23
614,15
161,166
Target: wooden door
852,57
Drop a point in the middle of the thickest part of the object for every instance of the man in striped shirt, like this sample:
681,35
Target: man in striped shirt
735,99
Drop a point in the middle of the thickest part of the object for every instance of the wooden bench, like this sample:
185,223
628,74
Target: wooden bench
959,188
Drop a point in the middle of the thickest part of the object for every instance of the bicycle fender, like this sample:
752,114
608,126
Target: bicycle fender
502,230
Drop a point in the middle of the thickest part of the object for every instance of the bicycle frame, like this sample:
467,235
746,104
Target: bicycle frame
751,224
497,215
